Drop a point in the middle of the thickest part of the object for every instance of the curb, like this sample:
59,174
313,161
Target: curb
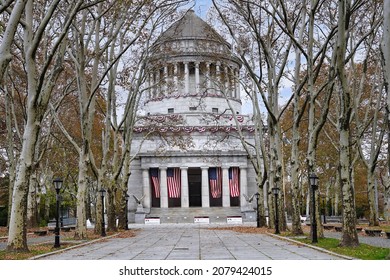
311,246
72,247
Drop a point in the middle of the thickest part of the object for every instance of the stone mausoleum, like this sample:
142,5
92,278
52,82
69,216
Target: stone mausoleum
189,163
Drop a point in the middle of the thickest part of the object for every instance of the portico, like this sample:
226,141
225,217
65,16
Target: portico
199,185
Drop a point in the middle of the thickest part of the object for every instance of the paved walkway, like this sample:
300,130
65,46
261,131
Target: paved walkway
192,242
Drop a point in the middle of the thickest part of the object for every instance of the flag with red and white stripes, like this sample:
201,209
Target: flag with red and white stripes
155,182
215,180
234,181
173,182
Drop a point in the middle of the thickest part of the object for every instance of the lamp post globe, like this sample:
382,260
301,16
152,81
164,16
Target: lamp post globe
57,186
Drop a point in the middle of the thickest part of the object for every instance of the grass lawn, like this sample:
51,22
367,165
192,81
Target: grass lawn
363,251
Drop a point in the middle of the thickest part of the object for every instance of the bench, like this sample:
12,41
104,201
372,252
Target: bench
328,227
40,232
338,228
373,232
66,224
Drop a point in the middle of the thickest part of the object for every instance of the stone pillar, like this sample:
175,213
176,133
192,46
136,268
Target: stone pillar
165,81
205,187
208,76
237,79
175,77
197,80
158,83
227,84
243,188
186,78
184,187
147,202
225,187
151,85
218,78
163,188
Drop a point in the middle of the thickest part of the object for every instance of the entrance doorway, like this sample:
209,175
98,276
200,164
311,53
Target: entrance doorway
195,187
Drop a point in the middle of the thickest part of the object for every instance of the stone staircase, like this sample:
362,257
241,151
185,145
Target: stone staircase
187,215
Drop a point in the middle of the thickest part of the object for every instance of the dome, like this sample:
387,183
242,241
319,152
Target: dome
192,70
190,26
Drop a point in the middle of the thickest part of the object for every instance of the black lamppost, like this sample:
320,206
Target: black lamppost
314,186
275,191
257,195
102,193
57,185
126,214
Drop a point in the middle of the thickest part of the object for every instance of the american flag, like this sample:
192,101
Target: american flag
215,178
234,181
173,182
155,181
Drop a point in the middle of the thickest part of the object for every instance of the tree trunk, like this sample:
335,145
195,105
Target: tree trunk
349,236
121,209
386,46
81,227
386,67
17,235
371,194
32,207
111,210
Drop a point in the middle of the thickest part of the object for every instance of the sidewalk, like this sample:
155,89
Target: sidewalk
192,242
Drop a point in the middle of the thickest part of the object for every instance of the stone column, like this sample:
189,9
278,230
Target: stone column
151,85
218,78
163,188
175,77
243,188
227,84
147,202
184,187
205,187
237,79
197,80
186,78
158,83
225,187
208,77
165,81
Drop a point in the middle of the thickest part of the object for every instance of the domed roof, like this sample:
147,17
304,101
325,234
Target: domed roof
190,26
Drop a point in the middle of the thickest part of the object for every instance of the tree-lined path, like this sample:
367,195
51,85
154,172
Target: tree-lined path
192,242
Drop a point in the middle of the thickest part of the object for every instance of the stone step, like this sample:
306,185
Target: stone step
188,215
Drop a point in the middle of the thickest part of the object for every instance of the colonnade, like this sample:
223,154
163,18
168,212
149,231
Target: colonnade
193,77
205,193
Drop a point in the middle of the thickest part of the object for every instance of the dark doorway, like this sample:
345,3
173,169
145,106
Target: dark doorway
195,187
215,202
234,201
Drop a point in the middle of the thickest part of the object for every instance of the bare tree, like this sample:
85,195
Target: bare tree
386,67
41,79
